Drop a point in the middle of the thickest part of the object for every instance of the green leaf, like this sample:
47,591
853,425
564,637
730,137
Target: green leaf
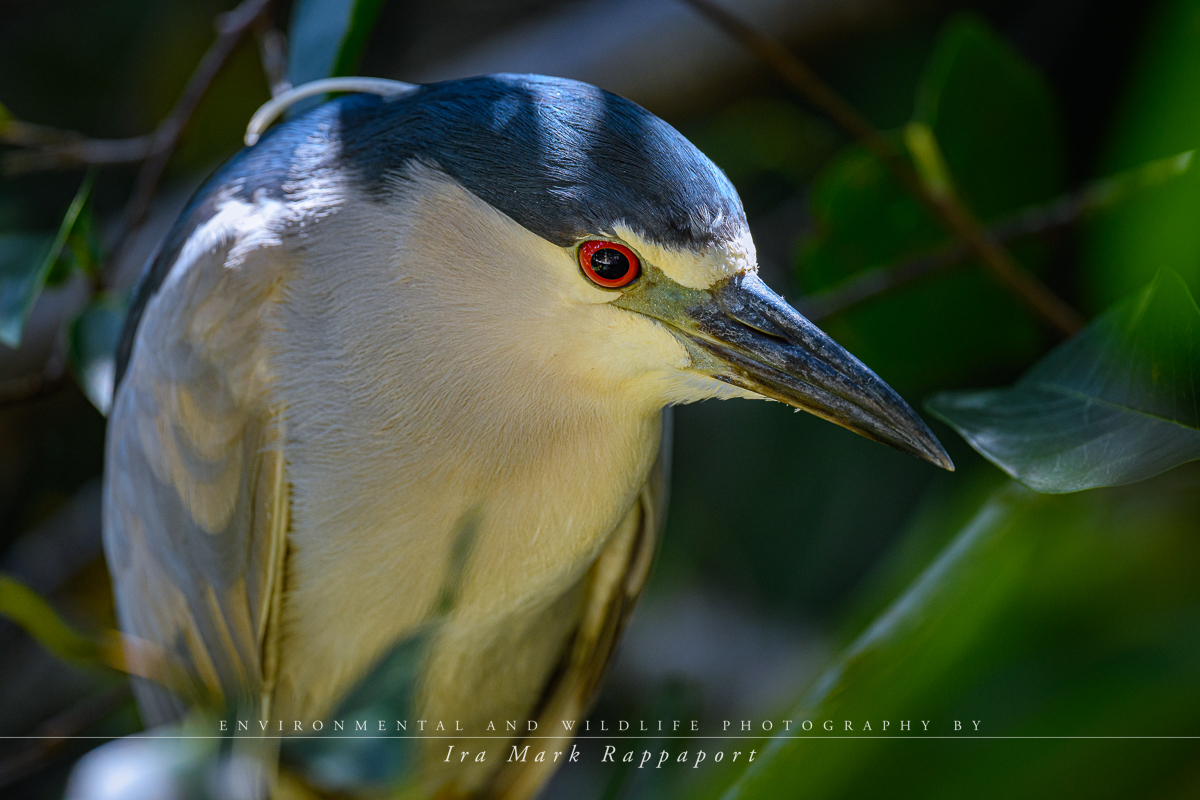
83,252
93,346
25,264
1106,193
994,119
341,762
1118,403
27,609
984,122
954,325
22,256
1159,116
327,37
863,219
1056,622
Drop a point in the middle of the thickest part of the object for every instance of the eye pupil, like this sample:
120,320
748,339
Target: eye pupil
610,263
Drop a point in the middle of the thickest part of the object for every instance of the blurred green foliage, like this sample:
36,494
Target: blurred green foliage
1066,624
782,507
986,120
27,262
1045,616
994,118
28,609
24,263
769,147
1160,116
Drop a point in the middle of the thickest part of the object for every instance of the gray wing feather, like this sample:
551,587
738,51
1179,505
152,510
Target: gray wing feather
195,499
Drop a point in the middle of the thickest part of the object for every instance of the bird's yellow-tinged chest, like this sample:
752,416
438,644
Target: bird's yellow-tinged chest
389,528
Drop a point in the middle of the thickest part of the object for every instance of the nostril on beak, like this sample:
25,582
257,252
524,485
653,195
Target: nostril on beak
769,331
736,300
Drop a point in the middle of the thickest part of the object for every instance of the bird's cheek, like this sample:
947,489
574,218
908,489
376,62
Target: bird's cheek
659,369
613,350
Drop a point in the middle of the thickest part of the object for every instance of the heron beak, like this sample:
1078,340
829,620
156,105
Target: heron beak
740,332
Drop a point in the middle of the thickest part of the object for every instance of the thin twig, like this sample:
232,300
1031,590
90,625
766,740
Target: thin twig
30,134
25,388
54,148
231,27
946,208
77,152
36,385
58,730
875,282
1034,220
1030,222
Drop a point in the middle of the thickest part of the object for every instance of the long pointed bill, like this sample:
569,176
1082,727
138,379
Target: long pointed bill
742,333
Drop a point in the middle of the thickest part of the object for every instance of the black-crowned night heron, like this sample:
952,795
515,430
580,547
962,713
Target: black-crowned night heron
423,340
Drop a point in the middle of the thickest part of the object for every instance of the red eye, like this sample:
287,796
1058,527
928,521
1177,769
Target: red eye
609,264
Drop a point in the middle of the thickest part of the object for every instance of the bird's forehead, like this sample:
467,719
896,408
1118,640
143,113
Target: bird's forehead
564,159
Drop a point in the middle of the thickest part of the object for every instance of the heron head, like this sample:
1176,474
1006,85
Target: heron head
596,241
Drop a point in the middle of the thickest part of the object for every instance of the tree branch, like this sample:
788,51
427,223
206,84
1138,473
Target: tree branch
230,29
953,215
35,385
1032,221
76,152
29,134
25,388
1059,213
875,282
53,148
57,731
